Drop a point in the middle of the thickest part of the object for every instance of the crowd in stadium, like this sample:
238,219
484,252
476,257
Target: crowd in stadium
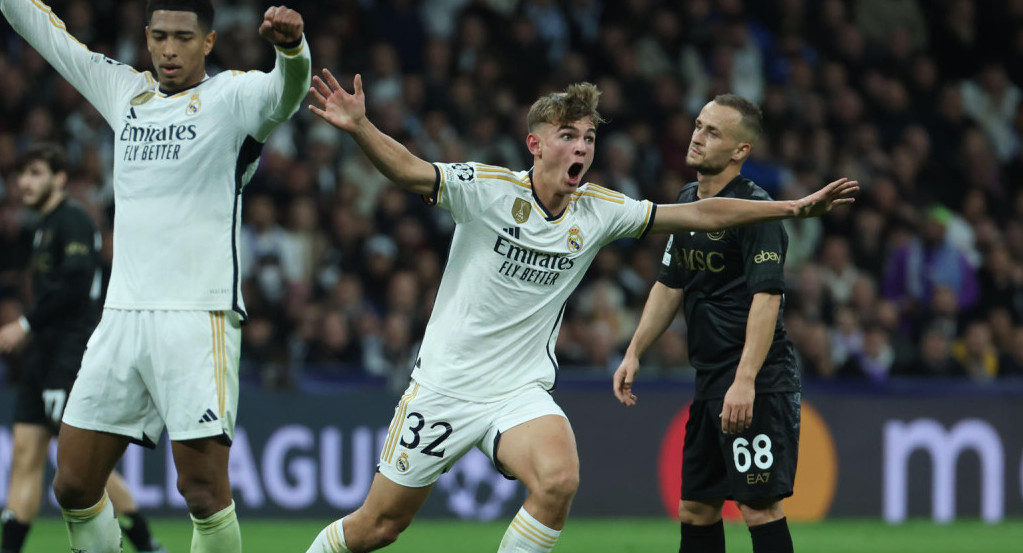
918,100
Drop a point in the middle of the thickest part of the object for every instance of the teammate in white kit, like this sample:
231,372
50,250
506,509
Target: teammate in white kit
522,241
166,350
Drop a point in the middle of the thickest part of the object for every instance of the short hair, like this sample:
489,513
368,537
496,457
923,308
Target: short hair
50,153
203,9
752,118
578,101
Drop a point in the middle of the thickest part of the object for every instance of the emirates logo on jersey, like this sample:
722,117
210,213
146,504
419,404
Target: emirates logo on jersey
575,239
194,105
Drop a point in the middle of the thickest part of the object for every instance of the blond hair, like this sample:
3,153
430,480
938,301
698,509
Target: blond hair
578,101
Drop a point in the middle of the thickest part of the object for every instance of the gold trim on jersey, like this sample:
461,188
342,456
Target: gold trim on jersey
219,356
56,21
394,432
646,219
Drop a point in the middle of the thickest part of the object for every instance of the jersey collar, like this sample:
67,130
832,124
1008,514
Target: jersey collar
160,89
547,215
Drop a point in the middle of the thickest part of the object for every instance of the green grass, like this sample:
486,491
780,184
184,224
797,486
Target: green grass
599,535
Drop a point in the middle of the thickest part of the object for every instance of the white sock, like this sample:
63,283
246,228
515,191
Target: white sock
525,534
218,533
330,540
93,529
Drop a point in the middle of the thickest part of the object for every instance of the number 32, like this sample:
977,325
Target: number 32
430,449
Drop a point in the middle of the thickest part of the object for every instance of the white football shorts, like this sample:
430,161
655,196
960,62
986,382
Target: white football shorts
430,431
144,370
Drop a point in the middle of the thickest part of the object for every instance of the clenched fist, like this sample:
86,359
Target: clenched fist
281,25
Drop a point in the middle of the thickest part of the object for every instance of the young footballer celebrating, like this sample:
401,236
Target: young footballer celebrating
522,242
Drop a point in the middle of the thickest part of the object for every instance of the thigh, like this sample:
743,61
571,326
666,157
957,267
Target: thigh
429,432
704,474
763,458
194,372
85,459
109,394
530,436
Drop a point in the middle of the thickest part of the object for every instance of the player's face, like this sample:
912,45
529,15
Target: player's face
38,184
566,151
179,47
716,140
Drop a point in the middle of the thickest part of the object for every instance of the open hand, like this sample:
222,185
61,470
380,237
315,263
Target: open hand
337,107
822,201
281,25
623,379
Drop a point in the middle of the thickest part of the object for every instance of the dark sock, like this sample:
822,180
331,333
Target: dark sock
12,537
773,537
135,527
702,539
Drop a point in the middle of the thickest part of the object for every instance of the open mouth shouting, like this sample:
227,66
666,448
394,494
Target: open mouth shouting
575,172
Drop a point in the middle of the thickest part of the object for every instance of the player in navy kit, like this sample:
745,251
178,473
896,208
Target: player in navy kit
742,436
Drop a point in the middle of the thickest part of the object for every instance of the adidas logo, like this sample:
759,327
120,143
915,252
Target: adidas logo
513,231
208,416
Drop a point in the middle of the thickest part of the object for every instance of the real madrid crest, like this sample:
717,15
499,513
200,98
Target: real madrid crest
575,239
402,463
142,98
194,105
520,211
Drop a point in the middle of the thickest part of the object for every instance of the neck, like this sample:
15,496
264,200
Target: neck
51,203
709,186
546,190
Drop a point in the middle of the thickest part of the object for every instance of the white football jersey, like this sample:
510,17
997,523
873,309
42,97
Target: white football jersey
181,161
510,271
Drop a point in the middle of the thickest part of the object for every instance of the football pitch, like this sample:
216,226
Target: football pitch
599,535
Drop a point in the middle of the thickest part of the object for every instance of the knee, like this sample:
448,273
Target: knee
75,492
560,484
200,495
699,513
761,512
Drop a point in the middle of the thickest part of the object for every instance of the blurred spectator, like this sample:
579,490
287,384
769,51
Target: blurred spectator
915,269
935,357
976,352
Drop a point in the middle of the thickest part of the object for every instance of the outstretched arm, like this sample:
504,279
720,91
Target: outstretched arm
660,309
715,214
101,80
348,113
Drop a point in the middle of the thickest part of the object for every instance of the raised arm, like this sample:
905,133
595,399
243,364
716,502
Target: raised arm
715,214
99,79
348,113
290,78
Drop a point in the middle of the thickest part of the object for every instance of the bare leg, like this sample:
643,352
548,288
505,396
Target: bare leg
85,459
28,463
388,510
119,494
542,454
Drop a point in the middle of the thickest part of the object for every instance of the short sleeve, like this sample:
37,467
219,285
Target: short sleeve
80,242
630,218
459,190
763,252
669,273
